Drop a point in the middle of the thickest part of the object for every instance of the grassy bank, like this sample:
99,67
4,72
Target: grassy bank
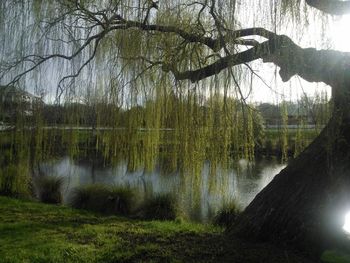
35,232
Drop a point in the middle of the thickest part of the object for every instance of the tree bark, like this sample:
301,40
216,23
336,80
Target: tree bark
305,204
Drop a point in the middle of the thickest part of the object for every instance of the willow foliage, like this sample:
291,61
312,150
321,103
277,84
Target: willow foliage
112,98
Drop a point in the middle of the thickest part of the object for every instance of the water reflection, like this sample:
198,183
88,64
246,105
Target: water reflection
199,197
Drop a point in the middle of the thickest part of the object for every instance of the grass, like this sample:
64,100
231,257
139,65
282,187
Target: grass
333,256
103,199
36,232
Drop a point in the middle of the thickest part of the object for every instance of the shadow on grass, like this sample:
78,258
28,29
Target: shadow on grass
34,232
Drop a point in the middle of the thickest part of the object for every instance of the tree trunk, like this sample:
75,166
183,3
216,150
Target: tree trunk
305,204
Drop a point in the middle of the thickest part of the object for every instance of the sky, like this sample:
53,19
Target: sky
337,38
320,35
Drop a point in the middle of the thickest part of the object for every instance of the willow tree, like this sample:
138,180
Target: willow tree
205,43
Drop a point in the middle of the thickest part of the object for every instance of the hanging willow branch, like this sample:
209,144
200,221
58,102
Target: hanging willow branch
310,64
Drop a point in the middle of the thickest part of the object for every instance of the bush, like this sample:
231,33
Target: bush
227,215
103,199
49,189
160,207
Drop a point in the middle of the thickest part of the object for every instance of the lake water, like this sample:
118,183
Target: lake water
199,197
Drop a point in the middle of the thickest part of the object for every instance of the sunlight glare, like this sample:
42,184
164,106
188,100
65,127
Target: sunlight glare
346,226
340,33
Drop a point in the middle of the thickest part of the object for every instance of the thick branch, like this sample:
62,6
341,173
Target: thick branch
223,63
332,7
328,66
213,44
116,22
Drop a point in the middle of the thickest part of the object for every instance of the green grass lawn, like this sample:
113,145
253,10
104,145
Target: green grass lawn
35,232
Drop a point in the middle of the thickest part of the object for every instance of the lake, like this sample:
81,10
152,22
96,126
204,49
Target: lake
199,196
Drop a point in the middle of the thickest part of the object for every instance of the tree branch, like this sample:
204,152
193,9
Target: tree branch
311,64
232,60
121,23
328,66
214,44
42,59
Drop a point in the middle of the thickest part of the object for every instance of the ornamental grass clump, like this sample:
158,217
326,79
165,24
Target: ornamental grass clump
160,207
103,199
122,200
227,215
49,189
